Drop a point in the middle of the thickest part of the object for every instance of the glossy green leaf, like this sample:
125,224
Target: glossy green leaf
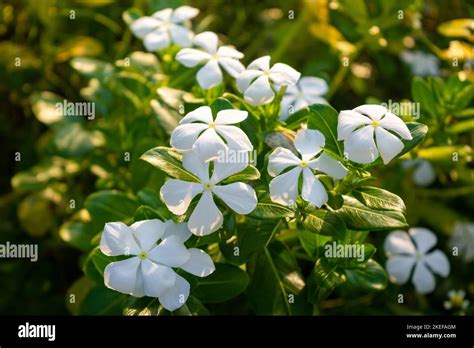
370,277
324,118
377,198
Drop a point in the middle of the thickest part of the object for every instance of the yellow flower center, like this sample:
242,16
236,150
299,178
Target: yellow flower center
375,124
304,164
457,300
266,73
212,125
208,186
143,255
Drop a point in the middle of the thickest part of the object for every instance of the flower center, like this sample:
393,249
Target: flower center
143,255
212,125
266,73
208,186
375,124
457,300
419,256
304,164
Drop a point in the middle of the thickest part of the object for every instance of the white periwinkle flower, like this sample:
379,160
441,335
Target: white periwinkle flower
404,255
284,187
150,269
165,27
259,83
206,217
213,58
456,300
421,64
463,240
309,90
357,128
423,174
200,132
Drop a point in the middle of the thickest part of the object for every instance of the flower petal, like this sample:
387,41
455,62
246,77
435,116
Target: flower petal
328,165
235,138
170,252
194,164
199,264
313,86
280,159
157,40
284,187
144,25
360,146
190,57
423,279
201,114
309,142
117,239
438,263
209,145
395,123
176,296
206,218
163,15
399,268
181,36
184,136
424,238
157,279
348,121
224,169
259,92
398,243
180,230
230,116
121,276
207,40
313,191
388,144
209,75
424,174
287,106
184,13
373,111
240,197
283,74
229,52
148,232
262,63
246,78
233,67
178,194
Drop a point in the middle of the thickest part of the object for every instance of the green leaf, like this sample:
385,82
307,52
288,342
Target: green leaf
225,283
110,206
359,217
79,289
99,260
77,234
324,118
311,242
45,108
143,306
269,210
146,213
461,127
91,68
220,104
371,277
324,278
463,97
324,222
168,161
74,146
131,15
377,198
422,93
248,174
196,307
103,301
348,255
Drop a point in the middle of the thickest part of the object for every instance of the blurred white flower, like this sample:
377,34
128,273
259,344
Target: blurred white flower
206,217
463,239
456,300
423,174
421,64
284,187
200,132
213,58
309,90
165,27
259,83
150,269
358,127
404,255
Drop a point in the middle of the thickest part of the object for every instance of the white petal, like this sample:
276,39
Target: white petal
206,218
201,114
283,74
246,78
399,268
235,138
209,145
397,243
117,239
310,99
194,164
230,116
424,174
284,188
424,238
328,165
190,57
184,136
207,40
287,106
423,279
438,263
313,191
395,123
200,263
163,15
259,92
309,142
181,36
177,295
360,146
348,121
121,276
222,170
388,144
313,86
300,103
373,111
179,230
157,278
262,63
233,67
143,26
178,194
170,252
240,197
280,159
140,285
184,13
148,232
209,75
157,40
230,52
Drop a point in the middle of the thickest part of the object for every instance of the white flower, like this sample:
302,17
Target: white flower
150,269
403,256
357,127
456,300
199,131
463,239
284,187
422,64
424,174
259,83
206,217
210,74
165,27
309,90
